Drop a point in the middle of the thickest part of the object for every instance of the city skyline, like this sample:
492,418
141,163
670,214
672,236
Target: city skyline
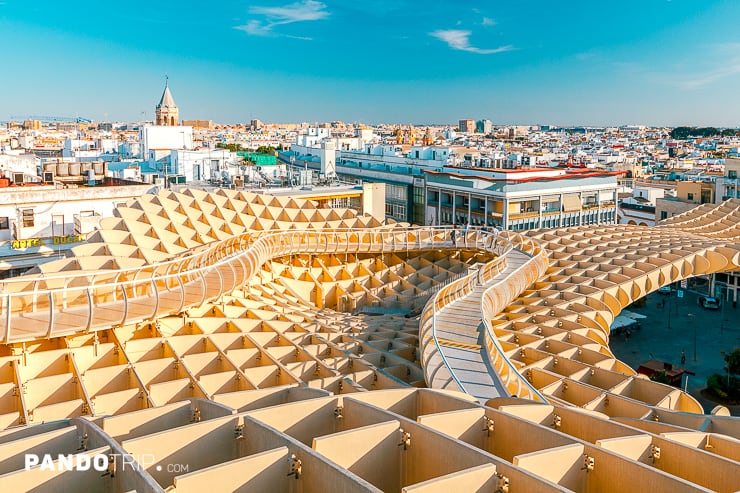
655,63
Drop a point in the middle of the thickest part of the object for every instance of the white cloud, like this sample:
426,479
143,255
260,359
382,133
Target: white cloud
720,61
459,39
706,77
307,10
255,28
487,21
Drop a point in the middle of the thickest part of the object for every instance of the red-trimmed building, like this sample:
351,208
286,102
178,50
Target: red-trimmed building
520,199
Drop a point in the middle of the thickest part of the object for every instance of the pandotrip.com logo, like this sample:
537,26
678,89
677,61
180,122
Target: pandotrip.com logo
100,462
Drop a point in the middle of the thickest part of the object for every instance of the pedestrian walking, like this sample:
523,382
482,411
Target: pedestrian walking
683,357
453,234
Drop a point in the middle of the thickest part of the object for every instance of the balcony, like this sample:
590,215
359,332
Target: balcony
524,215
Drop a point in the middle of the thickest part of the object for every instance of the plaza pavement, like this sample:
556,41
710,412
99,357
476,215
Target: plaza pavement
714,330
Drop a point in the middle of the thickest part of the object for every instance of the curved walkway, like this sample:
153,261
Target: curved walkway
66,303
471,335
461,335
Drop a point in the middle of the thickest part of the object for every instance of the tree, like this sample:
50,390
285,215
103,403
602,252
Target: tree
733,361
726,387
660,377
683,133
265,150
231,147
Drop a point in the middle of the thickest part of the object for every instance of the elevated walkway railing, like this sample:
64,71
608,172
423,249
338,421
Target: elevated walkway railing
437,371
51,305
498,296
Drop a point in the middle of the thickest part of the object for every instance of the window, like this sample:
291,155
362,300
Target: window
663,214
4,223
691,196
396,211
396,192
27,218
732,174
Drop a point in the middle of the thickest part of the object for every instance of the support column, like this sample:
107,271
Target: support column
439,207
470,207
562,211
539,212
454,207
485,211
505,220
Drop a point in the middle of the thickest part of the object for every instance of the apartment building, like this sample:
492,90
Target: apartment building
689,194
520,199
467,126
727,186
426,186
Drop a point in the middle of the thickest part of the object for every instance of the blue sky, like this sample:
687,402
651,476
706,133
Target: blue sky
666,62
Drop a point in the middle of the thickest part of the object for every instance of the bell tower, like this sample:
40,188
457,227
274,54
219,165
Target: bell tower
167,112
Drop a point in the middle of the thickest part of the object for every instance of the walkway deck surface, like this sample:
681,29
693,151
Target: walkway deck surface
460,332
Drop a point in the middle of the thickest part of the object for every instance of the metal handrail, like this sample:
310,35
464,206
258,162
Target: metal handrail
453,291
532,269
232,262
240,256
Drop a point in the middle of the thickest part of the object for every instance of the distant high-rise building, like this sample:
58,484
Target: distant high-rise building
467,126
167,111
484,126
256,124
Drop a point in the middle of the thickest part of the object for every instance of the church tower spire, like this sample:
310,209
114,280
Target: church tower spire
167,112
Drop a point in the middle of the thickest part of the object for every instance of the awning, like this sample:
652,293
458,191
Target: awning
571,203
606,195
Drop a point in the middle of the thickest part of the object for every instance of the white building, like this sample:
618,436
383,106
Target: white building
158,141
204,164
10,164
645,195
309,144
312,137
37,223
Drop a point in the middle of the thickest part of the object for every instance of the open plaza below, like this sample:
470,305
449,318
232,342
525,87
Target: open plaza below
673,325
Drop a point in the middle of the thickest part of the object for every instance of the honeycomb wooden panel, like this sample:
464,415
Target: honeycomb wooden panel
265,326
